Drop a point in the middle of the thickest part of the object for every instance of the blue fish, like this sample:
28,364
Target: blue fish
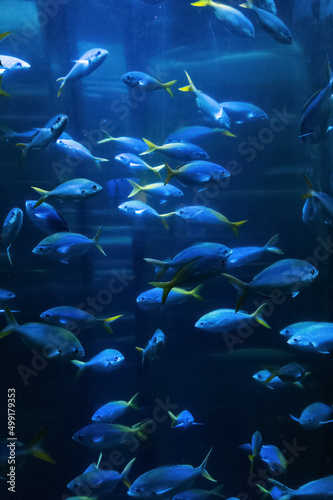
322,200
199,214
197,173
87,63
244,255
137,165
290,373
106,361
76,150
243,112
139,209
321,489
316,337
157,190
130,144
152,299
185,420
315,415
199,494
224,320
72,190
275,460
11,229
109,412
144,81
263,375
154,347
46,218
297,328
193,134
182,151
271,23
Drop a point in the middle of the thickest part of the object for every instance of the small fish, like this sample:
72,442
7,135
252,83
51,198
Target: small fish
317,337
76,150
322,200
197,172
72,317
204,251
130,144
199,214
317,113
157,190
244,255
297,328
290,373
194,134
289,276
184,420
139,209
165,482
154,347
144,81
100,436
315,415
11,228
11,136
275,460
199,494
106,361
100,482
109,412
87,63
233,20
6,295
53,341
212,111
256,445
321,489
73,190
243,112
152,299
268,5
44,137
65,246
12,64
46,218
137,165
183,151
263,375
224,320
271,23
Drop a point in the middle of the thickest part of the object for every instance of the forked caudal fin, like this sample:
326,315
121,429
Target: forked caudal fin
81,367
11,322
247,5
151,147
311,191
107,137
133,402
170,173
257,316
44,194
36,450
243,289
167,86
136,188
125,473
96,238
106,322
202,467
270,245
3,92
191,87
63,80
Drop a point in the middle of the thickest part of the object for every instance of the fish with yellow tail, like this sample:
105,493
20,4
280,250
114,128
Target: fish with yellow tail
224,320
183,151
154,347
106,361
138,79
198,173
233,20
143,211
72,190
322,201
157,190
115,409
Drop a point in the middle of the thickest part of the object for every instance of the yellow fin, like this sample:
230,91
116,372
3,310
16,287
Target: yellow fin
201,3
257,316
96,238
171,173
310,188
3,92
167,86
136,188
4,34
151,147
107,137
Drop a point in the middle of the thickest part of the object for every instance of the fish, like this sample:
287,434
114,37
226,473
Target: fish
316,337
138,79
271,23
44,137
139,209
76,150
240,112
157,190
99,481
101,436
288,276
193,494
245,255
256,445
65,246
290,373
152,299
314,416
72,190
11,229
137,165
184,420
316,114
46,218
263,375
268,5
11,63
109,412
197,172
224,320
87,63
194,134
73,317
167,481
203,250
106,361
212,111
6,295
322,200
183,151
233,20
275,460
199,214
154,347
296,328
130,144
11,136
52,341
321,489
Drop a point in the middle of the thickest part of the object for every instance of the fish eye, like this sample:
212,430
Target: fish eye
181,212
79,436
98,417
125,207
94,187
46,315
18,65
75,485
83,191
59,351
142,299
59,119
98,53
312,271
116,358
287,332
75,351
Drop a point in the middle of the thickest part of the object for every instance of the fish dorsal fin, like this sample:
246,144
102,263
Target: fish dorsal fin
91,468
308,102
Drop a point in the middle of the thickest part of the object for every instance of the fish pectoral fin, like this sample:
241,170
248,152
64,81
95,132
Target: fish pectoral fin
64,249
54,354
91,468
326,422
162,492
202,177
64,261
294,418
98,439
294,294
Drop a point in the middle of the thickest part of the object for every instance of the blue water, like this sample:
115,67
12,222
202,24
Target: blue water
196,370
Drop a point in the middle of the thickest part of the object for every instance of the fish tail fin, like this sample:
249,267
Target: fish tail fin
6,130
299,385
81,366
263,490
235,225
98,160
191,87
36,450
251,458
270,245
4,34
257,316
136,188
216,491
106,322
204,473
173,419
247,5
164,222
133,402
9,257
151,147
156,170
311,191
125,473
227,133
141,430
196,293
201,3
24,152
170,173
283,489
272,374
3,92
44,194
11,323
166,287
160,264
241,287
63,80
167,86
142,352
107,137
96,238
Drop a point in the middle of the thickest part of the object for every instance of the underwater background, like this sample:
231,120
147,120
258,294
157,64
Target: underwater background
197,370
